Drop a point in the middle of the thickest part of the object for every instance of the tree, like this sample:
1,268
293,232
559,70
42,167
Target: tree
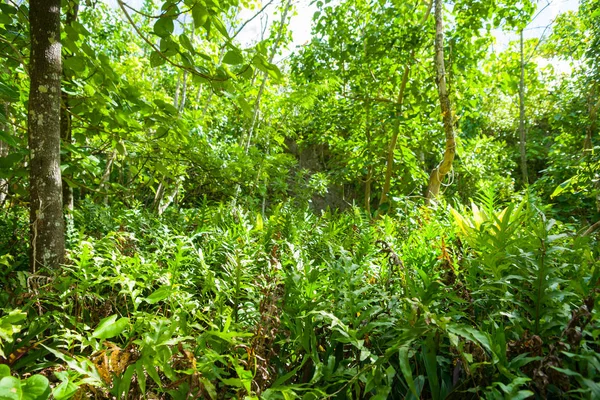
66,133
366,102
438,173
3,153
392,147
522,140
46,213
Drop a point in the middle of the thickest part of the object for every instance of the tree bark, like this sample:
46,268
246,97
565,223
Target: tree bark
593,107
439,172
160,192
105,180
369,178
176,96
591,229
66,136
65,119
165,200
4,153
183,92
158,205
46,212
522,137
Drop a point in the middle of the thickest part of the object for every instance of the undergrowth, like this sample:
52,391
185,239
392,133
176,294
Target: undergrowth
477,302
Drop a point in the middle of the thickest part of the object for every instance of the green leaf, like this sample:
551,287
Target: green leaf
10,140
14,317
235,382
522,394
568,372
65,390
561,188
110,327
263,65
217,23
186,42
151,371
168,47
187,59
593,386
156,59
120,146
4,370
259,226
247,72
141,376
159,295
407,370
125,383
8,93
246,108
8,9
36,387
199,14
75,63
5,19
209,387
429,357
472,334
164,26
166,107
233,57
9,326
10,160
10,388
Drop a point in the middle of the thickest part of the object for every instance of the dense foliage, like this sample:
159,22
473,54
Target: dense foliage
245,220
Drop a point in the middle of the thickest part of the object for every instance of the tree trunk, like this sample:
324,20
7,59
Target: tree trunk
256,114
390,156
522,138
160,192
369,178
438,173
158,205
399,101
593,106
183,92
176,96
46,212
65,134
167,199
3,181
592,128
65,119
368,181
105,180
4,153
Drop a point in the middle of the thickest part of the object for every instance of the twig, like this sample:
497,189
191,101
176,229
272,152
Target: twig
156,16
251,19
167,59
591,229
20,57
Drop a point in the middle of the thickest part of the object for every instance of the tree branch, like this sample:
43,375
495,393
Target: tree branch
591,229
251,19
